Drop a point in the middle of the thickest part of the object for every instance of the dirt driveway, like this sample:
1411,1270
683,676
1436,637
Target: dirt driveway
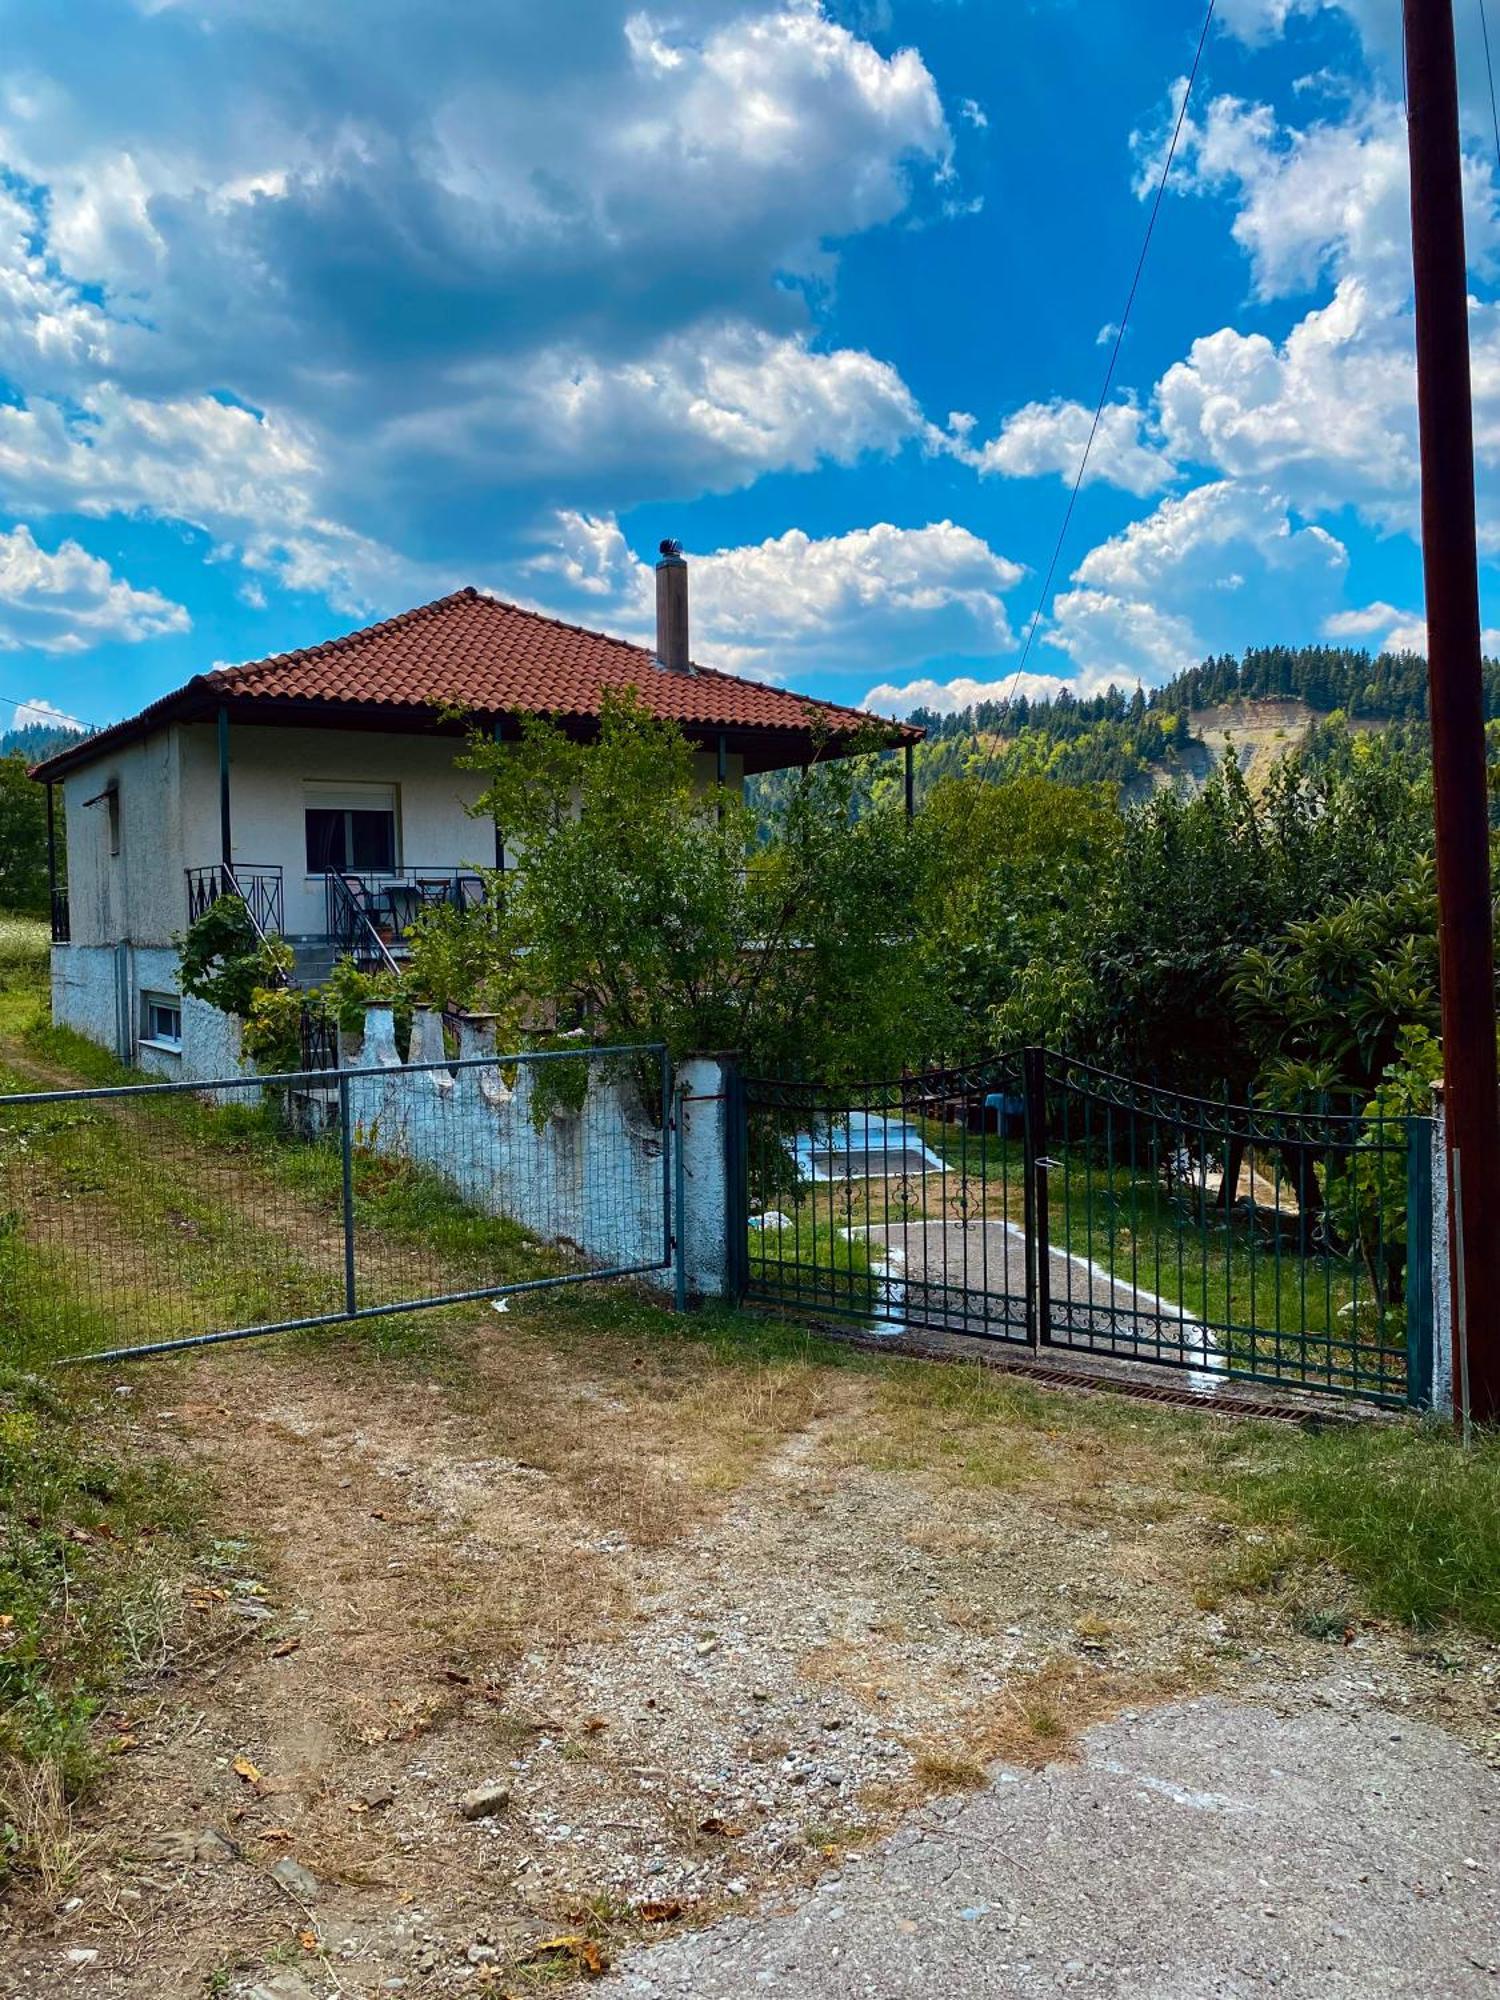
569,1632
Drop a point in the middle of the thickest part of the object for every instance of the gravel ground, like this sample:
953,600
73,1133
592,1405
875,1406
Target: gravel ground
1208,1848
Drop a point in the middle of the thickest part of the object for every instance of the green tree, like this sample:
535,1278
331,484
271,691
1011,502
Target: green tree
23,839
648,908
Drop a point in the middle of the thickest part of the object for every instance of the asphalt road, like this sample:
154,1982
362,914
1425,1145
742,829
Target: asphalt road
1211,1850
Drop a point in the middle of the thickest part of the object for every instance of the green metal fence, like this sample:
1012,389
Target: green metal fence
1041,1201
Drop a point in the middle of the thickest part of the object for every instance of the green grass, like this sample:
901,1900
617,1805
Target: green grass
1410,1517
137,1220
25,943
93,1537
1282,1315
816,1262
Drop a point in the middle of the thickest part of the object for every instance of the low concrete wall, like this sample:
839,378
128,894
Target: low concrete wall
596,1180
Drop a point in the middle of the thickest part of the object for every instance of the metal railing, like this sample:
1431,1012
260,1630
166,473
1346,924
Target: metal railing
1040,1200
137,1219
257,884
351,929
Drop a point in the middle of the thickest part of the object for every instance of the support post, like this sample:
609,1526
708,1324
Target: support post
1450,564
1419,1317
346,1154
52,860
910,776
722,770
497,731
1038,1246
226,850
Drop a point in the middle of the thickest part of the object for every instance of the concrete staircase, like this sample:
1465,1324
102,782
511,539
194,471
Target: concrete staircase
312,960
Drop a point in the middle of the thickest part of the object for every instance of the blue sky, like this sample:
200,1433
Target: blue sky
311,314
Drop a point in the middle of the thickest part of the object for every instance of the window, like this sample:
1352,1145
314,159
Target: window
161,1020
351,827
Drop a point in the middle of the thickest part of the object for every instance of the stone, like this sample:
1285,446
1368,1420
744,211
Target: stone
188,1844
282,1986
297,1880
485,1800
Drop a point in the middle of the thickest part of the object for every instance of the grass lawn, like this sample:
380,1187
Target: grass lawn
630,1428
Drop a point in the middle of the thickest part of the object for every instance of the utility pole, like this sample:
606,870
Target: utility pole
1455,688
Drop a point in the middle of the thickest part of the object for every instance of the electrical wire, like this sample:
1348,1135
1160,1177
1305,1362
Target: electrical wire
1109,373
1489,68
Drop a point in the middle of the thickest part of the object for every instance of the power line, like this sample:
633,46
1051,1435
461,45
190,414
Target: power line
1489,68
1109,373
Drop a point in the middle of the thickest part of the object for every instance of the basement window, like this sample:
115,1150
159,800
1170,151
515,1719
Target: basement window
161,1021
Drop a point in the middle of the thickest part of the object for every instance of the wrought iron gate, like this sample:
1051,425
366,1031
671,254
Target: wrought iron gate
1042,1201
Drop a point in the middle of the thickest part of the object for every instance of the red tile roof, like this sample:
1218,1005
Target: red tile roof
476,653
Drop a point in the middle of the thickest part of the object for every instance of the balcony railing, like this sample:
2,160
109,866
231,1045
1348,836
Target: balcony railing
258,886
369,916
61,929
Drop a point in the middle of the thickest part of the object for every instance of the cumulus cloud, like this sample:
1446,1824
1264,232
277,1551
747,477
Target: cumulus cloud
1050,437
963,691
1384,628
873,597
1179,583
485,251
40,714
66,600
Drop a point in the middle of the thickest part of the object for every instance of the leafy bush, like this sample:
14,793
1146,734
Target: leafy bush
224,961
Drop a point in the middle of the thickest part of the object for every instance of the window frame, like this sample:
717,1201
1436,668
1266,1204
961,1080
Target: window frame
154,1001
347,800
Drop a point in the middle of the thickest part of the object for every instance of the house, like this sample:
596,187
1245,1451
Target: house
321,787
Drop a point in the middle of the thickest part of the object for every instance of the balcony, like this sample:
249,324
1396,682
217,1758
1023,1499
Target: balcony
257,884
369,915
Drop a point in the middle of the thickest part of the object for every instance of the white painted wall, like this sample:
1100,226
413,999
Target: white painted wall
269,769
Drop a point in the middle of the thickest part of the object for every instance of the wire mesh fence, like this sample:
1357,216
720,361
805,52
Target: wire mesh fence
139,1217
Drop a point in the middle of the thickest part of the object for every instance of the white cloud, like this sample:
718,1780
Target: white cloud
40,714
1050,437
874,597
963,691
1386,629
1175,585
715,408
488,256
67,600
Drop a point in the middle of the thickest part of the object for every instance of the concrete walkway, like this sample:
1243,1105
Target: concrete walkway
1202,1850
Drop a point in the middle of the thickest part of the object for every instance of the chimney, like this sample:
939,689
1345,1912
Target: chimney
672,611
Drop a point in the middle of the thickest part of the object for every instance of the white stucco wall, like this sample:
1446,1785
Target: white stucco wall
169,818
269,770
136,896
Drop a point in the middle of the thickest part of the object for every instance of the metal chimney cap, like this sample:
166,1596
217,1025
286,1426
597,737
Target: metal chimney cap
671,551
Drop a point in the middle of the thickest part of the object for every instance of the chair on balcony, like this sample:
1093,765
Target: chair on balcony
404,902
470,892
435,891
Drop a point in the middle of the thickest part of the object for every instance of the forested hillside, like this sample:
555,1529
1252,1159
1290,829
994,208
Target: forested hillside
1145,740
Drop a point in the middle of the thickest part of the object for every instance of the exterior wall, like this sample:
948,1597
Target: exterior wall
594,1180
268,770
97,991
135,896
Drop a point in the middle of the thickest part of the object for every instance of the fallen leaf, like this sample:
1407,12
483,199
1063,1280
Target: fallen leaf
7,1619
118,1745
277,1833
308,1940
286,1646
665,1912
243,1768
594,1723
721,1827
593,1961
